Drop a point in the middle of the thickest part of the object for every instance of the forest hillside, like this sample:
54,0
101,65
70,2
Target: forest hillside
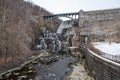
21,23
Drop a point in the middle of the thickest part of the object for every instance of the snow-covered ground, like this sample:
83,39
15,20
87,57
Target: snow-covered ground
111,50
106,47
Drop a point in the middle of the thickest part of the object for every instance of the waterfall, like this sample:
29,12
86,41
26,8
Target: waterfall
63,25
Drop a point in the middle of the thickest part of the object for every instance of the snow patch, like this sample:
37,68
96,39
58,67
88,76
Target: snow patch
112,48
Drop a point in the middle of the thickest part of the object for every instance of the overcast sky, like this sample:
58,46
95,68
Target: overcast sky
63,6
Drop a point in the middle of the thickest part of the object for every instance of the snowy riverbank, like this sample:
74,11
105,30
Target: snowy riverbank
79,72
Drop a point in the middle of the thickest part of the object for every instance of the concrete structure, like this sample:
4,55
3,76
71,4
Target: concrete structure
96,22
93,22
74,15
102,68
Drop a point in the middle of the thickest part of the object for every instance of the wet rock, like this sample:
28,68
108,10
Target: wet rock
67,71
25,68
31,65
1,78
47,67
31,71
22,77
38,78
55,59
45,60
32,57
16,74
30,68
51,75
48,59
7,75
34,62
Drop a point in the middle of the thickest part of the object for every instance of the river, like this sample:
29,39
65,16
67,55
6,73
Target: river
56,70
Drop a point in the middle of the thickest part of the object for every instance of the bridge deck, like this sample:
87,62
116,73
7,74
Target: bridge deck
61,15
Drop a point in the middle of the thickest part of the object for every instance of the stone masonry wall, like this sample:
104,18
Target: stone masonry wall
101,68
101,23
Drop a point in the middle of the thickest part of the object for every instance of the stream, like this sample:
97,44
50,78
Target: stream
55,70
